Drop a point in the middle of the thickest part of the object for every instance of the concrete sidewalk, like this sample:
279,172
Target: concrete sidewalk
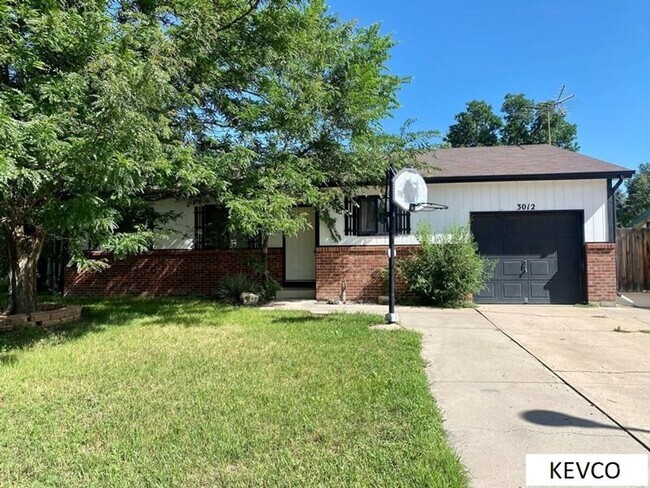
499,402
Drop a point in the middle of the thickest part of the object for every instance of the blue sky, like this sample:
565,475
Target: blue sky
462,50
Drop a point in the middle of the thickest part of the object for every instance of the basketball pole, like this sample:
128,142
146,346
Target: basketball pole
391,316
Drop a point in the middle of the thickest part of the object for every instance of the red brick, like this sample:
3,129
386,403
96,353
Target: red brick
168,272
600,260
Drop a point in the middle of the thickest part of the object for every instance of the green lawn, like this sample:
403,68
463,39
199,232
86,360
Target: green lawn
186,393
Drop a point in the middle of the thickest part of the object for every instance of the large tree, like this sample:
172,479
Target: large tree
309,119
522,121
530,122
82,126
256,105
478,125
636,198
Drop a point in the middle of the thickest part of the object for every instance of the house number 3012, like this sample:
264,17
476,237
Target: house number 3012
525,206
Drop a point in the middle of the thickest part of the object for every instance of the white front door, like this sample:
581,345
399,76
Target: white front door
299,256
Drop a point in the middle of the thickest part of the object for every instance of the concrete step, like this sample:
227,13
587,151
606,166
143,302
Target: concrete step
296,294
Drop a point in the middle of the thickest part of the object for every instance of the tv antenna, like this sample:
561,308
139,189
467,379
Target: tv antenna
552,106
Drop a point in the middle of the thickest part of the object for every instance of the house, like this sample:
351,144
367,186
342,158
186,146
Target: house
641,221
545,215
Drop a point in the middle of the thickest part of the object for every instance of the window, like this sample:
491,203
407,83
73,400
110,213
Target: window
212,231
366,216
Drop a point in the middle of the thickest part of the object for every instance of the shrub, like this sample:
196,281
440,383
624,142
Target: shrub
231,287
268,288
447,270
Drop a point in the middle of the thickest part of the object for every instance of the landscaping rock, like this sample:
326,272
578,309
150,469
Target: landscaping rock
249,298
40,316
49,317
17,319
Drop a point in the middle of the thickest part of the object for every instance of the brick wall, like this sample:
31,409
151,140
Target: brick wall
167,272
601,271
359,266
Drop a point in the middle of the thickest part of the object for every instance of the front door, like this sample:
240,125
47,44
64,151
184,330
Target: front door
299,256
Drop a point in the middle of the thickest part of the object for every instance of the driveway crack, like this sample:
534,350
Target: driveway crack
561,378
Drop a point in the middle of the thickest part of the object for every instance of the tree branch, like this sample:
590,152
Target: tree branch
252,7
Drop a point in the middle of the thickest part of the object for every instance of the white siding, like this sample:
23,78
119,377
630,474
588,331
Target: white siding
180,232
463,198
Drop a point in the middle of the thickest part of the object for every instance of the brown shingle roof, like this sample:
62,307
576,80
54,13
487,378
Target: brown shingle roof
515,163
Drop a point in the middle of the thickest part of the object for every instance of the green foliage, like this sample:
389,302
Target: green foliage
522,121
231,287
267,288
383,278
447,270
265,285
477,126
84,120
636,199
254,105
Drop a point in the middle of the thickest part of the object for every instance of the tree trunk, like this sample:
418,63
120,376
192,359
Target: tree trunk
24,245
265,259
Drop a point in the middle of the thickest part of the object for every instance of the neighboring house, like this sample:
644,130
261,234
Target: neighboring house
544,214
641,221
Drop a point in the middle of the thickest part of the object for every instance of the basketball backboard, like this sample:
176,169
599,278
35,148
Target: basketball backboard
410,189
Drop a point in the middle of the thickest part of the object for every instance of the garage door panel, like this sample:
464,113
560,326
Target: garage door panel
542,268
515,226
512,292
542,246
515,247
539,225
549,242
562,291
539,291
487,293
511,268
566,247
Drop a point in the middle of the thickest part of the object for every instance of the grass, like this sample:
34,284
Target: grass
186,393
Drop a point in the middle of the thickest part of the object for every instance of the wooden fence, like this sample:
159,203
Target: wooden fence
633,259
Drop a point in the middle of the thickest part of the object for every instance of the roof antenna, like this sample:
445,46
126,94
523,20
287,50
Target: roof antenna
551,106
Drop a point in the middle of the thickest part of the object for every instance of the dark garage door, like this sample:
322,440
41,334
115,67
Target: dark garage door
538,256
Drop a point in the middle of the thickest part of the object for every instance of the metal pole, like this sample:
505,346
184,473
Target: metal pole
391,316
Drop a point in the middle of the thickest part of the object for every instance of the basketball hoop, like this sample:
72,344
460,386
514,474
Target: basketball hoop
408,191
426,207
409,188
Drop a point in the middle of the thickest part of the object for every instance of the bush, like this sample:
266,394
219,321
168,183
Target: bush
448,270
268,288
231,287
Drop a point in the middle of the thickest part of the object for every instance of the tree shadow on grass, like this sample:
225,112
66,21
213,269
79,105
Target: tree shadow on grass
301,319
101,314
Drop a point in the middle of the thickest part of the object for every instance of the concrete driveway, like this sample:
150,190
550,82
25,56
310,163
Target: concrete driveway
515,380
603,353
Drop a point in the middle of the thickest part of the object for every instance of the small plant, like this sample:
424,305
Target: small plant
383,277
268,288
231,287
264,285
448,270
